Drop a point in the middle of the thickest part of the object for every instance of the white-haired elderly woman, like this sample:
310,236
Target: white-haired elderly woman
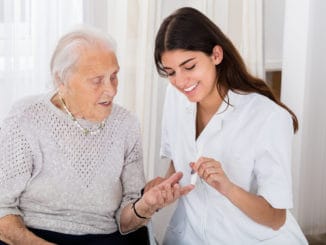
71,160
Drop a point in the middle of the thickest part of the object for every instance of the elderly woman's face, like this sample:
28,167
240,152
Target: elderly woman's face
91,87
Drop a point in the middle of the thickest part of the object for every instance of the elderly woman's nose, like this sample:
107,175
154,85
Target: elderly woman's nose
110,87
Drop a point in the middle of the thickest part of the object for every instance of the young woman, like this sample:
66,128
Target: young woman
225,125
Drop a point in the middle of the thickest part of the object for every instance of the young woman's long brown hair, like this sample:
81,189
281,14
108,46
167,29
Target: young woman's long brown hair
189,29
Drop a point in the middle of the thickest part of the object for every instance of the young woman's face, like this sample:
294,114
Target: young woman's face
193,73
91,87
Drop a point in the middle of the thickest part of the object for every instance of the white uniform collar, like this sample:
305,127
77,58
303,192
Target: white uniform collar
233,98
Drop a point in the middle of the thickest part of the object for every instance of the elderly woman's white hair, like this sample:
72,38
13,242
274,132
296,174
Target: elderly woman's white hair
68,50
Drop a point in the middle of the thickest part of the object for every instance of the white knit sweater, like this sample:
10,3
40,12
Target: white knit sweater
59,179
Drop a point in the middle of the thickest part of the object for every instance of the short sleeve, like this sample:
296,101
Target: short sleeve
132,178
16,164
273,160
165,150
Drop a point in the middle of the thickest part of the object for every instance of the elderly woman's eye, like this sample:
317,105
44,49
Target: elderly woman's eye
97,80
113,77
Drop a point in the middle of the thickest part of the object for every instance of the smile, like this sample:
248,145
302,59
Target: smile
191,88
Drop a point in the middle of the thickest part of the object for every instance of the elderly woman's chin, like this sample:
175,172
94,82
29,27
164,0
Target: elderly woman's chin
97,114
101,115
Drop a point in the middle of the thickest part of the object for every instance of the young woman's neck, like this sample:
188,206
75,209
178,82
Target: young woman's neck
206,109
210,104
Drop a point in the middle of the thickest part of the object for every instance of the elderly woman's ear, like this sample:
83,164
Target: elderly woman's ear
57,81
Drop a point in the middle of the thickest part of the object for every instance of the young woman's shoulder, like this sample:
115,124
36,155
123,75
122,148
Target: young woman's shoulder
265,106
264,111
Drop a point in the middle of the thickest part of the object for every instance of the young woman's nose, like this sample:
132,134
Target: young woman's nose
180,80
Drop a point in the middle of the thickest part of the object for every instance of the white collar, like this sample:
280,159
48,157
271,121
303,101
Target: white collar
235,99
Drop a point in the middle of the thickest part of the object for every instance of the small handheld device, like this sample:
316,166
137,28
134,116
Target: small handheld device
194,175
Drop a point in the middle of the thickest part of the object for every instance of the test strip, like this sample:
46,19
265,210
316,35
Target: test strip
194,175
193,179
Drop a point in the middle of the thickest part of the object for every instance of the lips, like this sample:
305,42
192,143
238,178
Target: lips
191,88
105,103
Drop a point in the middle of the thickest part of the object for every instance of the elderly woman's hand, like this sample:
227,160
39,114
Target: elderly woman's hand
160,193
154,182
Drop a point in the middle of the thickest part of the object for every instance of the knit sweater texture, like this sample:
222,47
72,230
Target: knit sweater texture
57,178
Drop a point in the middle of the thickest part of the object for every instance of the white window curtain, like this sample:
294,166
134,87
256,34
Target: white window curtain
303,86
29,30
252,36
133,24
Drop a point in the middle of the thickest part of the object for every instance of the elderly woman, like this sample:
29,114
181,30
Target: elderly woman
71,160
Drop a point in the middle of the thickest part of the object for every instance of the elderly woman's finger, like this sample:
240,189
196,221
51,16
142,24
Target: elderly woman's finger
176,191
186,189
169,194
166,192
173,179
153,183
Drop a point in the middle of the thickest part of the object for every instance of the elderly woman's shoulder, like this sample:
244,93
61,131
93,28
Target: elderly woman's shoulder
124,114
24,104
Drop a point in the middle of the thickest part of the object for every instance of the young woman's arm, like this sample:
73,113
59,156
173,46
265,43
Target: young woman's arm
257,208
171,170
254,206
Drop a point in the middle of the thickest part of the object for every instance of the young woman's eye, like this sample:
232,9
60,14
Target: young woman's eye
191,67
170,74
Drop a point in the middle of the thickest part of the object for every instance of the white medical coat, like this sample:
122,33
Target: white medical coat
252,139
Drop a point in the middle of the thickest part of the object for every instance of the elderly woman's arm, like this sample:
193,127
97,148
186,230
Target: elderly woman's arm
14,232
16,164
137,214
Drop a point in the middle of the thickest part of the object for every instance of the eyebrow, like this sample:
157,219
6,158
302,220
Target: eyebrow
183,63
116,71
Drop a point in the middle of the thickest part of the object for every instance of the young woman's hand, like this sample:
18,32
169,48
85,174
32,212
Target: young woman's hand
213,174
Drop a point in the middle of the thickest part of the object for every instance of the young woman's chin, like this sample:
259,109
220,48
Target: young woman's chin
194,96
193,99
